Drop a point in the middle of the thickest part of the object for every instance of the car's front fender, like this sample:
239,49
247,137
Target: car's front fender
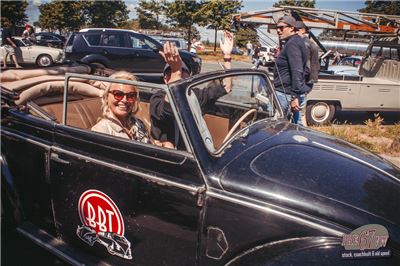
317,250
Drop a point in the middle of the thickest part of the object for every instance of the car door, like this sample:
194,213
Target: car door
26,140
113,47
144,56
125,202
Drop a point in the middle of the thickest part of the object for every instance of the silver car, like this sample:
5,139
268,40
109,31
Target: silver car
28,53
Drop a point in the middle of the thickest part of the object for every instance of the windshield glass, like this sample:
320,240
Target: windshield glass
225,106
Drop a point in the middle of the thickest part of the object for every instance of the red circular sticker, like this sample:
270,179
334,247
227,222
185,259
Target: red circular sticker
99,212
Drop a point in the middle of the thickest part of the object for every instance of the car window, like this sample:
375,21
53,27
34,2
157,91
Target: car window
139,41
219,114
113,39
92,39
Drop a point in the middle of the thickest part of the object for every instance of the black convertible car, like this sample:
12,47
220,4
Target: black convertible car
248,188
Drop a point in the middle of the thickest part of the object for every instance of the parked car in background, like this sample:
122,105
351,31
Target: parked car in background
346,66
375,87
237,50
179,42
50,39
123,50
267,55
29,53
247,187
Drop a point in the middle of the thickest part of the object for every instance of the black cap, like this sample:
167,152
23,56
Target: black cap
168,68
288,20
300,25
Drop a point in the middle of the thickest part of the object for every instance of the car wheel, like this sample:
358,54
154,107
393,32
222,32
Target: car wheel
98,65
320,113
44,60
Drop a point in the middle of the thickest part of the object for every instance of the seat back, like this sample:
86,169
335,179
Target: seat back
85,113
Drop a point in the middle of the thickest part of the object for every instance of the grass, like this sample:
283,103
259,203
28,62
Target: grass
373,135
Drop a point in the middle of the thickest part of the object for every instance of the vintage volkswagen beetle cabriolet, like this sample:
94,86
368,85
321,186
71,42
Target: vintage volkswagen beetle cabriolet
249,188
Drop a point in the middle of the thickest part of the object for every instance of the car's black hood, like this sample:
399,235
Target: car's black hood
313,173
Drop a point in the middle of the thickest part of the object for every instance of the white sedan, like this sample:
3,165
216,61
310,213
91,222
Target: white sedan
28,53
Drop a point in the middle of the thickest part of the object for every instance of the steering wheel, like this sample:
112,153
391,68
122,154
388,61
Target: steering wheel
237,124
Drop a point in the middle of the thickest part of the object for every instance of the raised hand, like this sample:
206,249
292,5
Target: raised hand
171,56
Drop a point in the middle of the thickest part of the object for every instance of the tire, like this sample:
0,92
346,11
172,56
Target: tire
320,113
44,60
98,65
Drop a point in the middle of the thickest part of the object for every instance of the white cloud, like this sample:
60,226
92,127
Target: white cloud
132,10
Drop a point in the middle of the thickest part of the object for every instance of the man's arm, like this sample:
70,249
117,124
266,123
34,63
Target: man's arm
295,61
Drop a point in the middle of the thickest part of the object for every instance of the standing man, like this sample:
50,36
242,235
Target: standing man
249,48
256,56
9,46
289,71
196,45
312,69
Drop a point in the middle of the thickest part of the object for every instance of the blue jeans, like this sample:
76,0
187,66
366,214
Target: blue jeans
285,99
297,114
256,62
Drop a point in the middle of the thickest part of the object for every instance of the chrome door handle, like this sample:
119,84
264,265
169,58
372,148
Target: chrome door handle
56,158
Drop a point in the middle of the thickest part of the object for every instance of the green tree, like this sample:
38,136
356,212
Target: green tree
64,16
106,13
300,3
149,14
245,34
184,14
14,12
218,15
382,7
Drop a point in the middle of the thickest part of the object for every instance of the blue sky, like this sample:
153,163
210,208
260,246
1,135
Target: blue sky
248,5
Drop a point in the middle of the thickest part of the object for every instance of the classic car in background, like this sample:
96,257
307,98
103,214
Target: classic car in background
375,87
346,66
50,39
246,188
29,53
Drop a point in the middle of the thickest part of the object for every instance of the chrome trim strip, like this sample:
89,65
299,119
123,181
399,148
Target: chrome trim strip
264,208
49,247
344,154
156,179
26,139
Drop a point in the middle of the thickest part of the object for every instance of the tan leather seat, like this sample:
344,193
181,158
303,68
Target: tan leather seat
85,113
81,114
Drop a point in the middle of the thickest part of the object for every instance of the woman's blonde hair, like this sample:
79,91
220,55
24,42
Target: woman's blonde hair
104,100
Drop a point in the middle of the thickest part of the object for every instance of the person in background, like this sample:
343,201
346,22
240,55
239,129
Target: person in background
120,102
290,67
26,33
249,48
311,72
196,45
9,45
256,56
163,126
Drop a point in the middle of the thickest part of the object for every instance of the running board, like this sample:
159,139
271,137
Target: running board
56,247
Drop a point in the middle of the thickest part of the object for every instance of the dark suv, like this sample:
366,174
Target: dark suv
122,50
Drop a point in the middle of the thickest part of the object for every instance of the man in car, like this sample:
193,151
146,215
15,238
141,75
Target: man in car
289,71
9,45
163,125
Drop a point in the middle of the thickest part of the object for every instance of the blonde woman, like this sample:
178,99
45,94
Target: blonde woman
120,102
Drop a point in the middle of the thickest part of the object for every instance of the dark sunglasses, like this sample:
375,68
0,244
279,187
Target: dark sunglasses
119,95
282,27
